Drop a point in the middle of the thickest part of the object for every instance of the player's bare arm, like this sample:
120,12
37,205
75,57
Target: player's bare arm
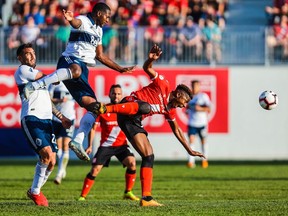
181,137
100,56
69,16
64,120
153,55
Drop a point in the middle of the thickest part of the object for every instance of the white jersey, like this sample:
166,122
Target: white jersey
84,40
67,108
198,118
39,103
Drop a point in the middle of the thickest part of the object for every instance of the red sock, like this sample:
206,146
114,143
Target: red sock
130,181
146,176
87,185
128,108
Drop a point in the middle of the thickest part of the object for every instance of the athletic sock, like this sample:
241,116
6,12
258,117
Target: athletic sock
62,164
191,159
57,76
47,174
39,176
87,185
130,177
128,108
146,176
85,126
204,151
59,153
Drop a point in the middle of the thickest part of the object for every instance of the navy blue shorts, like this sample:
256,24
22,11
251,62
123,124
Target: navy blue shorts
77,87
200,131
104,154
60,131
39,133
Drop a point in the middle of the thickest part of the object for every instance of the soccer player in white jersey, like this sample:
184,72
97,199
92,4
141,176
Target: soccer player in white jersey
65,103
198,109
36,115
113,143
83,49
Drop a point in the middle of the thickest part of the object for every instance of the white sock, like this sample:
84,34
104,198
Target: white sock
47,174
204,150
191,159
63,161
57,76
59,153
85,126
39,176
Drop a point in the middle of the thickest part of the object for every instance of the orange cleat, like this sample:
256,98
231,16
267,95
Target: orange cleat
191,165
152,202
204,164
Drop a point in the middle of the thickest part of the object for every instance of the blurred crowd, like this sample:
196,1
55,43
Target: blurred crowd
180,26
277,19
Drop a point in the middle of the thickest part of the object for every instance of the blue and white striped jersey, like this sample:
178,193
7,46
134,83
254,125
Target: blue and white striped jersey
84,40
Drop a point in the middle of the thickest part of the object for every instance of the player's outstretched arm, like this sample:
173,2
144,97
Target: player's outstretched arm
104,59
181,137
154,54
69,16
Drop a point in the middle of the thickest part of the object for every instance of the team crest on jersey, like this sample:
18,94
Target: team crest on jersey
38,142
161,77
94,40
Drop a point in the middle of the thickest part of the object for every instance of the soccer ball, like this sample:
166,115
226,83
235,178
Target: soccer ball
268,100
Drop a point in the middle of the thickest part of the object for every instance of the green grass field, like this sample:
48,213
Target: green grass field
225,188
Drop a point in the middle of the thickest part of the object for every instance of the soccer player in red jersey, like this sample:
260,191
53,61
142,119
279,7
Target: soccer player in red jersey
156,98
113,143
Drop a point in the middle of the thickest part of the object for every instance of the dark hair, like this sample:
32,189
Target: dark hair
100,7
194,81
114,86
186,89
22,47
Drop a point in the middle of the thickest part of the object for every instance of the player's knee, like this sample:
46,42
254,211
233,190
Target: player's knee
148,161
131,164
144,107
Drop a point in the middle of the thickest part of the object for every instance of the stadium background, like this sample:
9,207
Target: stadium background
239,128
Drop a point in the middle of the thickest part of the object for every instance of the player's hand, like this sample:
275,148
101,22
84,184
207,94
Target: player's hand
155,52
88,150
128,69
68,15
195,153
67,123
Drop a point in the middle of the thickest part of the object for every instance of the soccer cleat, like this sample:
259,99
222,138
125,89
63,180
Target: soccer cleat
38,199
57,180
191,165
129,195
99,108
152,202
79,151
28,90
81,198
204,163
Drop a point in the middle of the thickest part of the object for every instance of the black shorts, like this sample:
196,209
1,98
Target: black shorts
104,154
131,124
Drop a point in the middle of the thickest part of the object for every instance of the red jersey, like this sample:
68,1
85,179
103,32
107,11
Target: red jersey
157,95
111,134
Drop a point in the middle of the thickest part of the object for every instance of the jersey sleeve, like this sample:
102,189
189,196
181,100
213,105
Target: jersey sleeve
26,74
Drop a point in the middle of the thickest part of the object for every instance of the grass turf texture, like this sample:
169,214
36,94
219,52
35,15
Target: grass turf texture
225,188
